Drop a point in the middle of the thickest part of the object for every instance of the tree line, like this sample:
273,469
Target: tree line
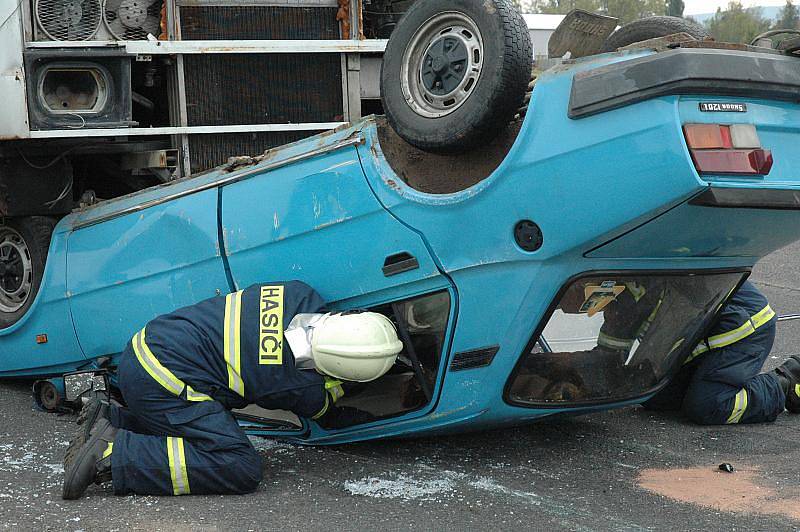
733,24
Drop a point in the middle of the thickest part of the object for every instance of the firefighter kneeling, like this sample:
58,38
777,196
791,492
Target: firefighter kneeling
184,372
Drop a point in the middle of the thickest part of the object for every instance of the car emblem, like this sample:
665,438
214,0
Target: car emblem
719,107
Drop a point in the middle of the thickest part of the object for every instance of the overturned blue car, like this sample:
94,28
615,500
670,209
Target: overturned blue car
498,242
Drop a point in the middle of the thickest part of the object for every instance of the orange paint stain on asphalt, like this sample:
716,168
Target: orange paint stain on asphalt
740,491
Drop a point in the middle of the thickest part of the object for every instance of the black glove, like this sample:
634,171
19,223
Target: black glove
338,417
353,388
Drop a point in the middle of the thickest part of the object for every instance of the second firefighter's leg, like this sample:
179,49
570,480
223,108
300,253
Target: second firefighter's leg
728,388
670,398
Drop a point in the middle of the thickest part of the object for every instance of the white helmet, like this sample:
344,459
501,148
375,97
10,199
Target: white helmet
356,347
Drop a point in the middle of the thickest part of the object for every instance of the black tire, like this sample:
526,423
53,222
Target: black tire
486,103
652,28
23,252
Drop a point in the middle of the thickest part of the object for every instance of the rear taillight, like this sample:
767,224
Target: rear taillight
732,149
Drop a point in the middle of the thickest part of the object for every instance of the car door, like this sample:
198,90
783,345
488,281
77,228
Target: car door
128,269
318,221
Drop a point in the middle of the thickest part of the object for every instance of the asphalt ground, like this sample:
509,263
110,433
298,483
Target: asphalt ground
627,469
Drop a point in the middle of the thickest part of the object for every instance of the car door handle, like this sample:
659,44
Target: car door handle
399,263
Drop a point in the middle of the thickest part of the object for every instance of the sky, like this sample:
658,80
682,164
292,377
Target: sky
694,7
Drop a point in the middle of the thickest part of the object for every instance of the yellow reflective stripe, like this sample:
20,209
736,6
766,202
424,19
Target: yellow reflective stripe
109,449
177,466
172,469
725,339
743,331
739,406
637,291
324,409
184,472
644,327
151,364
763,316
194,396
676,345
161,374
232,341
606,340
697,351
797,390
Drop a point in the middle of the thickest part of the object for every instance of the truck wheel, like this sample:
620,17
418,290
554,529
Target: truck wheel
455,72
652,28
23,251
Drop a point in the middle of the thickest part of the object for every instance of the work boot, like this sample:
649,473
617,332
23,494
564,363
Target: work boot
93,410
788,375
91,463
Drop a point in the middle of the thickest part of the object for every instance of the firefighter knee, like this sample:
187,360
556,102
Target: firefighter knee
243,473
251,470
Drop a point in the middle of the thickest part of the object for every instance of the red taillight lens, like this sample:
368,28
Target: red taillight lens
732,161
735,149
707,136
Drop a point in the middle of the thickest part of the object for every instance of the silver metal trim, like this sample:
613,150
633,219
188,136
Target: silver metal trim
233,178
258,3
275,46
181,130
264,46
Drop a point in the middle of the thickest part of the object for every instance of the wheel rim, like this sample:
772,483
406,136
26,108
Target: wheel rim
16,270
442,64
48,396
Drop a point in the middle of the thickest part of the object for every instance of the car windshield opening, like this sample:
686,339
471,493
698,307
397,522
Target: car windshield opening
612,337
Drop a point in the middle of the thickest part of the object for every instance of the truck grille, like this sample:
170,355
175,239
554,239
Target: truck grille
208,151
254,22
229,89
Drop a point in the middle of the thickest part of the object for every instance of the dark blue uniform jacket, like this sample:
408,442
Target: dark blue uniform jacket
232,348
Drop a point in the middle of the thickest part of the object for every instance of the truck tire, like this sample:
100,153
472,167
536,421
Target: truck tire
23,251
651,28
455,72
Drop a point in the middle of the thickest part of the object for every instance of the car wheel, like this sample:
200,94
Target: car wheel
652,28
23,251
455,72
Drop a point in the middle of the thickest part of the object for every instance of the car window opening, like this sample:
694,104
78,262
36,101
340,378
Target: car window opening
408,386
616,337
422,324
